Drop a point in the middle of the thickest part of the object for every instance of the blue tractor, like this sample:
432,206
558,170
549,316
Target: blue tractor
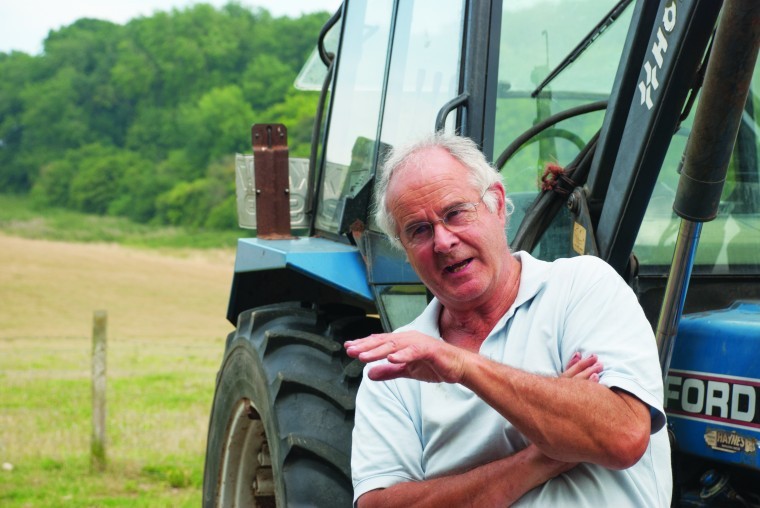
623,129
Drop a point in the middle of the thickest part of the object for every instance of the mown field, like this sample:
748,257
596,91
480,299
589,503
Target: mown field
166,303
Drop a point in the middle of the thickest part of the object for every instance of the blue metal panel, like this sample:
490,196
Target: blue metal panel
725,341
712,390
330,262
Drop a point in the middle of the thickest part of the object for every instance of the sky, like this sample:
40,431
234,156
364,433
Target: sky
24,24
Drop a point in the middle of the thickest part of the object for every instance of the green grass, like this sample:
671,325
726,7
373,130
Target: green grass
156,422
159,392
71,484
20,217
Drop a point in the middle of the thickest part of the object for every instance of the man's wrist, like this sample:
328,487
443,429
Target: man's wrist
548,466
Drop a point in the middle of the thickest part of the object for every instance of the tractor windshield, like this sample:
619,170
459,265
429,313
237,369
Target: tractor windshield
548,64
535,81
397,80
729,243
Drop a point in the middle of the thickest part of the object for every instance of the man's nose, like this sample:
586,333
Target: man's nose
443,239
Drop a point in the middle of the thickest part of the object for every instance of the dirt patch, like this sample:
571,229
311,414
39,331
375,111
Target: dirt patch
50,289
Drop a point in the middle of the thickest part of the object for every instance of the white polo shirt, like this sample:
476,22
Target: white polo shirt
409,431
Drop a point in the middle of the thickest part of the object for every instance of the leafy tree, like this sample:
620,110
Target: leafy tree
95,185
141,120
265,81
184,204
223,215
16,69
54,182
205,202
100,179
177,167
219,124
53,186
139,187
88,47
222,203
301,37
155,132
133,74
53,118
297,113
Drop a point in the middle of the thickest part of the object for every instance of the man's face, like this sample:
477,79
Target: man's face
462,269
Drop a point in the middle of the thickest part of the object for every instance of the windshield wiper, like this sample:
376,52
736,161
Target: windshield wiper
582,46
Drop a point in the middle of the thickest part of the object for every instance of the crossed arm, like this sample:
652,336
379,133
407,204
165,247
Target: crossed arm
606,427
498,483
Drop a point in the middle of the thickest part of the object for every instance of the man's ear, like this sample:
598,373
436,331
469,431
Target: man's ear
497,188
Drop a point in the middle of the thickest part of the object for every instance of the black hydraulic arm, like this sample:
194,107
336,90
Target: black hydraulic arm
708,151
677,43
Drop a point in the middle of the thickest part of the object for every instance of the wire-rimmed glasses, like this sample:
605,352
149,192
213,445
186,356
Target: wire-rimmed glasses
455,219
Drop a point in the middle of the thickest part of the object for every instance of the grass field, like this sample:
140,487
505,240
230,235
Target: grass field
166,332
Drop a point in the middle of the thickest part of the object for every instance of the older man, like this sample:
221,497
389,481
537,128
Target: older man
467,405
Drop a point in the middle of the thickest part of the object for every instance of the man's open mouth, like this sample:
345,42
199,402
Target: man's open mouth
458,266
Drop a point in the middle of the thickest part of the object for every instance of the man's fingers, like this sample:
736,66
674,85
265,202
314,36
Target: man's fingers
573,360
373,347
387,371
592,373
583,368
578,364
366,343
409,353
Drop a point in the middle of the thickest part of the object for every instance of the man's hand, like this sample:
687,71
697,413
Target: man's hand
412,355
418,356
583,368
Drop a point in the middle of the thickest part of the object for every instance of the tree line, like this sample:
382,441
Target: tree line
143,120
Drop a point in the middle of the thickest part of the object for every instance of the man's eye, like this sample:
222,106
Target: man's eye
419,230
455,216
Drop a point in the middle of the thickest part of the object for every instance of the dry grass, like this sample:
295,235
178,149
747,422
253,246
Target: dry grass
166,332
50,289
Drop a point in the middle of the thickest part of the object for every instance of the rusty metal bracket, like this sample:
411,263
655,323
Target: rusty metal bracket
270,159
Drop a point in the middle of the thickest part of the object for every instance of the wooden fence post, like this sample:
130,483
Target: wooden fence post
98,442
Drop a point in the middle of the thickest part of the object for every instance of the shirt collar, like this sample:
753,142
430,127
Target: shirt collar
533,277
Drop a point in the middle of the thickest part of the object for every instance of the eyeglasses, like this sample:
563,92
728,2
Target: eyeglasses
455,219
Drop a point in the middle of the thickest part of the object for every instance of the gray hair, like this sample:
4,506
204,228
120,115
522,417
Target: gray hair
481,174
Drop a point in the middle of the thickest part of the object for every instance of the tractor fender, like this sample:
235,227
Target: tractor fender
299,269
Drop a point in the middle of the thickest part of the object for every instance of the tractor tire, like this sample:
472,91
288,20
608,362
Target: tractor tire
283,412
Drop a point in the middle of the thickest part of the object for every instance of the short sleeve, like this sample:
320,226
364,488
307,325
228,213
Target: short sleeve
386,444
604,318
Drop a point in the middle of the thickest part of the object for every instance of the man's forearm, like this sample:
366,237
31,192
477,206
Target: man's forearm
568,419
498,483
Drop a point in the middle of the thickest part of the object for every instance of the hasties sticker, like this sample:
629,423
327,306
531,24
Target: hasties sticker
730,442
